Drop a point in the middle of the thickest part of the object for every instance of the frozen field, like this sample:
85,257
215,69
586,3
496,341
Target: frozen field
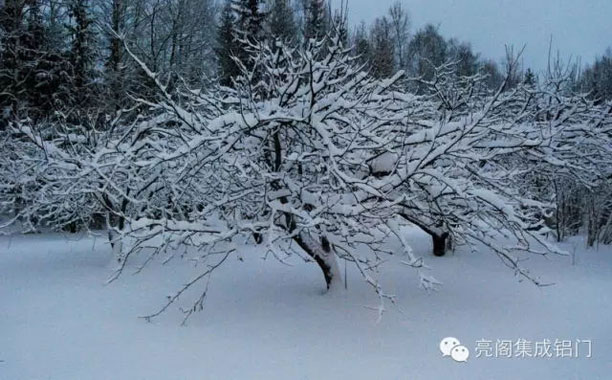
266,320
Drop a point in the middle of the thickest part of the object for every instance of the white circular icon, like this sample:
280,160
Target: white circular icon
447,344
450,346
460,353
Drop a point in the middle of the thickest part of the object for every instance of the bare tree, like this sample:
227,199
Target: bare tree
400,21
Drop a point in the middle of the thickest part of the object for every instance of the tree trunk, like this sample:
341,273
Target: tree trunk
116,54
321,252
117,245
440,241
325,258
439,244
113,237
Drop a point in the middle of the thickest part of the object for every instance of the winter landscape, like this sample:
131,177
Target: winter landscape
250,189
263,319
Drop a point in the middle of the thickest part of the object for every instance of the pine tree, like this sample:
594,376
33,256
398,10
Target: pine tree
596,80
45,75
228,69
82,51
281,21
250,21
31,72
316,23
114,63
362,46
11,29
530,78
226,40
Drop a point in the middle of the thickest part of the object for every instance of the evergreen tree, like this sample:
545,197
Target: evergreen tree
11,27
597,78
530,78
31,72
250,21
114,63
82,53
316,24
281,21
44,75
362,46
383,56
226,40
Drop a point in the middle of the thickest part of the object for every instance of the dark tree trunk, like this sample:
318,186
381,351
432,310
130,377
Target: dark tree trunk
439,244
115,221
323,256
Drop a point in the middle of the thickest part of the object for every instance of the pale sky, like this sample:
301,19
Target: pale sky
579,28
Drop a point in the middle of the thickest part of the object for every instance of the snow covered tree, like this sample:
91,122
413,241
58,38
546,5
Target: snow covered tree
250,18
82,53
322,161
11,21
31,71
281,21
291,165
315,157
316,21
241,24
339,24
226,39
115,61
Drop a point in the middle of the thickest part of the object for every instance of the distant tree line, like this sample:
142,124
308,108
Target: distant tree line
94,64
67,58
596,79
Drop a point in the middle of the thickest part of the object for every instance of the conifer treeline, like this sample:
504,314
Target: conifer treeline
68,59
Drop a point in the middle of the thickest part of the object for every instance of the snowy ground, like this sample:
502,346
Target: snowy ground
263,319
